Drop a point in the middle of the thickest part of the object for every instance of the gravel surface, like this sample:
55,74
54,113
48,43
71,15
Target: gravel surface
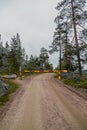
43,103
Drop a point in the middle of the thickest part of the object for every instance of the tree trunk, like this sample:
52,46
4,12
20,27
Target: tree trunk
60,58
76,39
66,48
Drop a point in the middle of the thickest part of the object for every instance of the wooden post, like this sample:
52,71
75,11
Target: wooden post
76,37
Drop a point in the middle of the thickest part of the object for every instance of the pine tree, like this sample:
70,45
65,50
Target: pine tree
74,12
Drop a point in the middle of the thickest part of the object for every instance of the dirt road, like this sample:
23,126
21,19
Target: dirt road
44,104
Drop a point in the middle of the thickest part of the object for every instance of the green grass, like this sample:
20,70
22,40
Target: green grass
77,83
12,88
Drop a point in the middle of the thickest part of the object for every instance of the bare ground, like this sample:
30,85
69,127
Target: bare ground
43,103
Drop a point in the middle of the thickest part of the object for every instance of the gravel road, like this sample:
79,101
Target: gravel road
43,103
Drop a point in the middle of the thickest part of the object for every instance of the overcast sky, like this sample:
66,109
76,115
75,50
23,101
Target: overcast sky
33,20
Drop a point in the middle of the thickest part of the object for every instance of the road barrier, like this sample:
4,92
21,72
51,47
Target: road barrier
44,71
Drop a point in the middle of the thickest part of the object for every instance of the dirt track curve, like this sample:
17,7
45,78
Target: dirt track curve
44,104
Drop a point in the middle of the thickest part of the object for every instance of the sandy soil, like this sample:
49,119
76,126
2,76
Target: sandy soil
45,104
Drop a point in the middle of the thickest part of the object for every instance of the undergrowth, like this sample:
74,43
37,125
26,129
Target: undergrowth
75,81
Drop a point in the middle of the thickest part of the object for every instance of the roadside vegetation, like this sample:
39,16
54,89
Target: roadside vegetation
75,81
12,87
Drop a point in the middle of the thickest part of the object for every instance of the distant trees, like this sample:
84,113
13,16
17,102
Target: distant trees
70,33
43,58
33,63
13,57
40,62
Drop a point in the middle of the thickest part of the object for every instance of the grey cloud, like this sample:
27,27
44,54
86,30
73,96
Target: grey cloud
32,19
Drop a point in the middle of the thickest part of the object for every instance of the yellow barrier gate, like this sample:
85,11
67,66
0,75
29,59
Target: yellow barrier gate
45,71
